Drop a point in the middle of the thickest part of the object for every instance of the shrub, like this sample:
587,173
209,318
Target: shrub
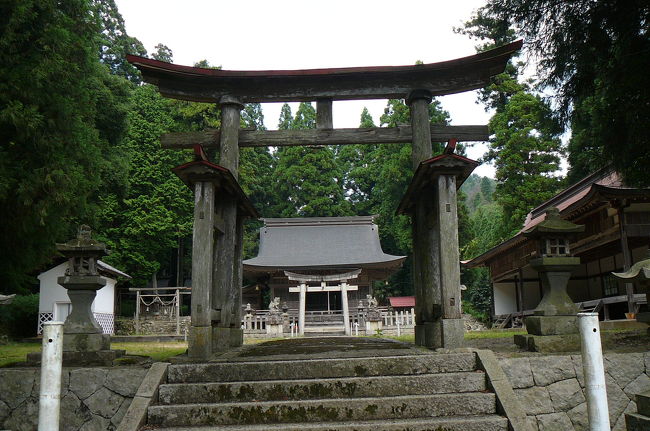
20,318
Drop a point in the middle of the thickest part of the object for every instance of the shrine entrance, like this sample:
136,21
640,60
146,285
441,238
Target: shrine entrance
323,301
221,206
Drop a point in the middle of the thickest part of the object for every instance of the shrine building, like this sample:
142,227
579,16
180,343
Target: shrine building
321,265
617,227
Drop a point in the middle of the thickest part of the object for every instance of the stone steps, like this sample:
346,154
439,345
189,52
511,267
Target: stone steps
358,387
640,421
321,368
323,410
410,392
465,423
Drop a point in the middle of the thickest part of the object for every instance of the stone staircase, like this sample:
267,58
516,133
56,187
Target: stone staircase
414,392
640,421
319,324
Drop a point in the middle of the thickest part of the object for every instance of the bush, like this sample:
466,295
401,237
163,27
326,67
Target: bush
20,318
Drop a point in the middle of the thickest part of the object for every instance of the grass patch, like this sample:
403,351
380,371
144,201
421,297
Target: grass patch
16,352
471,335
492,333
158,351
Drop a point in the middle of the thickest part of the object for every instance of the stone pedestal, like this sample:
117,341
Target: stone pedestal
236,337
549,343
220,339
373,327
556,314
551,325
275,329
452,333
82,333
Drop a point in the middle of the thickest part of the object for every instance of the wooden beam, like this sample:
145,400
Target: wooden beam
283,138
349,83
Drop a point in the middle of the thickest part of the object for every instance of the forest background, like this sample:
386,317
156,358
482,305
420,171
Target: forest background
79,139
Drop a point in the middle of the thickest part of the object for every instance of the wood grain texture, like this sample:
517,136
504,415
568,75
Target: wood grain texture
282,138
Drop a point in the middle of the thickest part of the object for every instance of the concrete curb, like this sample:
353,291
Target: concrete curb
136,415
507,403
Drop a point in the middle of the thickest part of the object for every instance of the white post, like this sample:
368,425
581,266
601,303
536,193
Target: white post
292,326
51,362
346,309
594,372
301,315
178,312
356,329
399,332
137,312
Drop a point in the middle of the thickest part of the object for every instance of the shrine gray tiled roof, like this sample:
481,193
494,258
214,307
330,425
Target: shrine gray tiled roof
320,242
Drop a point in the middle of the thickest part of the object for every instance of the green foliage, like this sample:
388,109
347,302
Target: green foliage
115,42
594,54
60,113
308,180
19,319
143,226
525,150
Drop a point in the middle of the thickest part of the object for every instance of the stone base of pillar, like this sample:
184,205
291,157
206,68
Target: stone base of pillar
275,329
373,326
236,337
220,339
200,342
86,342
453,333
551,325
427,334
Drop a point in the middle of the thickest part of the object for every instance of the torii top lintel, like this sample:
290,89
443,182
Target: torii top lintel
350,83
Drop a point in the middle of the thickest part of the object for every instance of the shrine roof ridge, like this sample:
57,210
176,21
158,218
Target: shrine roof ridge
319,221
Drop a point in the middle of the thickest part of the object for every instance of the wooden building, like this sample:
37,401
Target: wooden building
329,249
617,234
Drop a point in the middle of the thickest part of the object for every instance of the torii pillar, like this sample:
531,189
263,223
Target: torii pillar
220,208
431,201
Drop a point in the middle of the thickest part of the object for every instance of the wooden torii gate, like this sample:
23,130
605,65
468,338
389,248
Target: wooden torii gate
221,206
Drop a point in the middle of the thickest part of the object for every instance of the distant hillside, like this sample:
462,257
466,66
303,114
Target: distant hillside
479,191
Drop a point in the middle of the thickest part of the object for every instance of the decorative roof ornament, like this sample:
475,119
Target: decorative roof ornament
640,271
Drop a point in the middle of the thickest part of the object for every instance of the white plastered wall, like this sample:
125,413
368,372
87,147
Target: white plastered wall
505,301
51,292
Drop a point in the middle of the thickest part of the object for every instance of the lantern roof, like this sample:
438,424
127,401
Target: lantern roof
82,245
554,225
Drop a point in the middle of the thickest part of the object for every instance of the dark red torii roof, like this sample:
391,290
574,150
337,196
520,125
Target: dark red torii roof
348,83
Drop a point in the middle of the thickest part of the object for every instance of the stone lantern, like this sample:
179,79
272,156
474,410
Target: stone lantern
81,331
556,312
639,273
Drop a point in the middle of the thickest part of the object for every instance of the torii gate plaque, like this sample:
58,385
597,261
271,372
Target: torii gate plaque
216,269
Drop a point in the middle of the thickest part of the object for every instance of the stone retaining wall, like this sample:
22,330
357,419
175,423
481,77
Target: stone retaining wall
551,388
92,399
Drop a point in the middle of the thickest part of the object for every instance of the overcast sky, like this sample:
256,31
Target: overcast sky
285,34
